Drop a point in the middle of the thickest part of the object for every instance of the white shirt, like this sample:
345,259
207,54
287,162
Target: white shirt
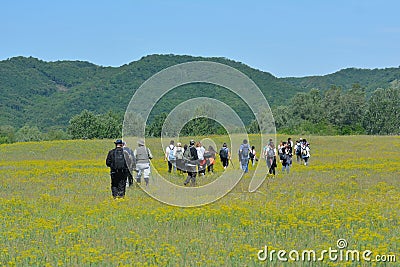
168,150
200,152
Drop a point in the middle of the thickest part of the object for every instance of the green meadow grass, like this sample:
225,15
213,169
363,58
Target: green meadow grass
57,209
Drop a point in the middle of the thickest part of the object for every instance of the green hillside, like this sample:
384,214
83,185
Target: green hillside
46,94
366,78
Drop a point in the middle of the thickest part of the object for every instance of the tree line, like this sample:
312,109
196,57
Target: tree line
48,94
339,112
333,112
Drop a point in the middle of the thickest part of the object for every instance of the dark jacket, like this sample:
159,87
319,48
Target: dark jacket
191,156
111,159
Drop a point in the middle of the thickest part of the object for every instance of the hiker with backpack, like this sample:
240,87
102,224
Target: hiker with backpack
280,147
170,156
119,162
253,155
244,152
180,163
224,155
202,161
289,148
269,153
290,142
129,181
305,152
143,156
297,149
285,157
191,160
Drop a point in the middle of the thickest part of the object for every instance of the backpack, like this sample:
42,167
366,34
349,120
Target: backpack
119,159
251,155
298,149
171,155
223,153
207,154
245,151
191,156
270,152
193,153
304,151
179,153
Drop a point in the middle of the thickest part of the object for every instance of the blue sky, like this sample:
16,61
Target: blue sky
285,38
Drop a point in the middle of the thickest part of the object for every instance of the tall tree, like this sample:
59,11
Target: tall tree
7,134
383,113
283,117
110,125
28,133
308,106
84,125
353,110
332,105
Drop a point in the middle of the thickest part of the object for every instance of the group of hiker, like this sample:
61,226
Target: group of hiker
194,159
177,159
123,161
284,153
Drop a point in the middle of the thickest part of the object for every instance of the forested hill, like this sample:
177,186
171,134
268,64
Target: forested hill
368,79
45,94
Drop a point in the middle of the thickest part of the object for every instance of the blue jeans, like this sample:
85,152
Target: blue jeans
244,165
286,167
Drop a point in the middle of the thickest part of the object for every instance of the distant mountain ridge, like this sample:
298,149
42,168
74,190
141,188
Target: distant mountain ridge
370,79
48,94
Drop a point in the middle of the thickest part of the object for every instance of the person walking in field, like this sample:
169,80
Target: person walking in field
224,155
297,151
280,148
118,161
191,159
289,146
286,157
170,156
202,161
253,155
290,142
244,152
305,152
180,163
209,155
143,156
129,181
269,153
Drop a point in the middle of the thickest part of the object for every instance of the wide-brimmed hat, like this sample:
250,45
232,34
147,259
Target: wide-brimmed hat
118,142
140,142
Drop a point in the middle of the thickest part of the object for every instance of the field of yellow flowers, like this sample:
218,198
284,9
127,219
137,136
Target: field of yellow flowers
57,209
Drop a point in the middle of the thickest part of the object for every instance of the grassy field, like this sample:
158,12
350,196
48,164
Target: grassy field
57,209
